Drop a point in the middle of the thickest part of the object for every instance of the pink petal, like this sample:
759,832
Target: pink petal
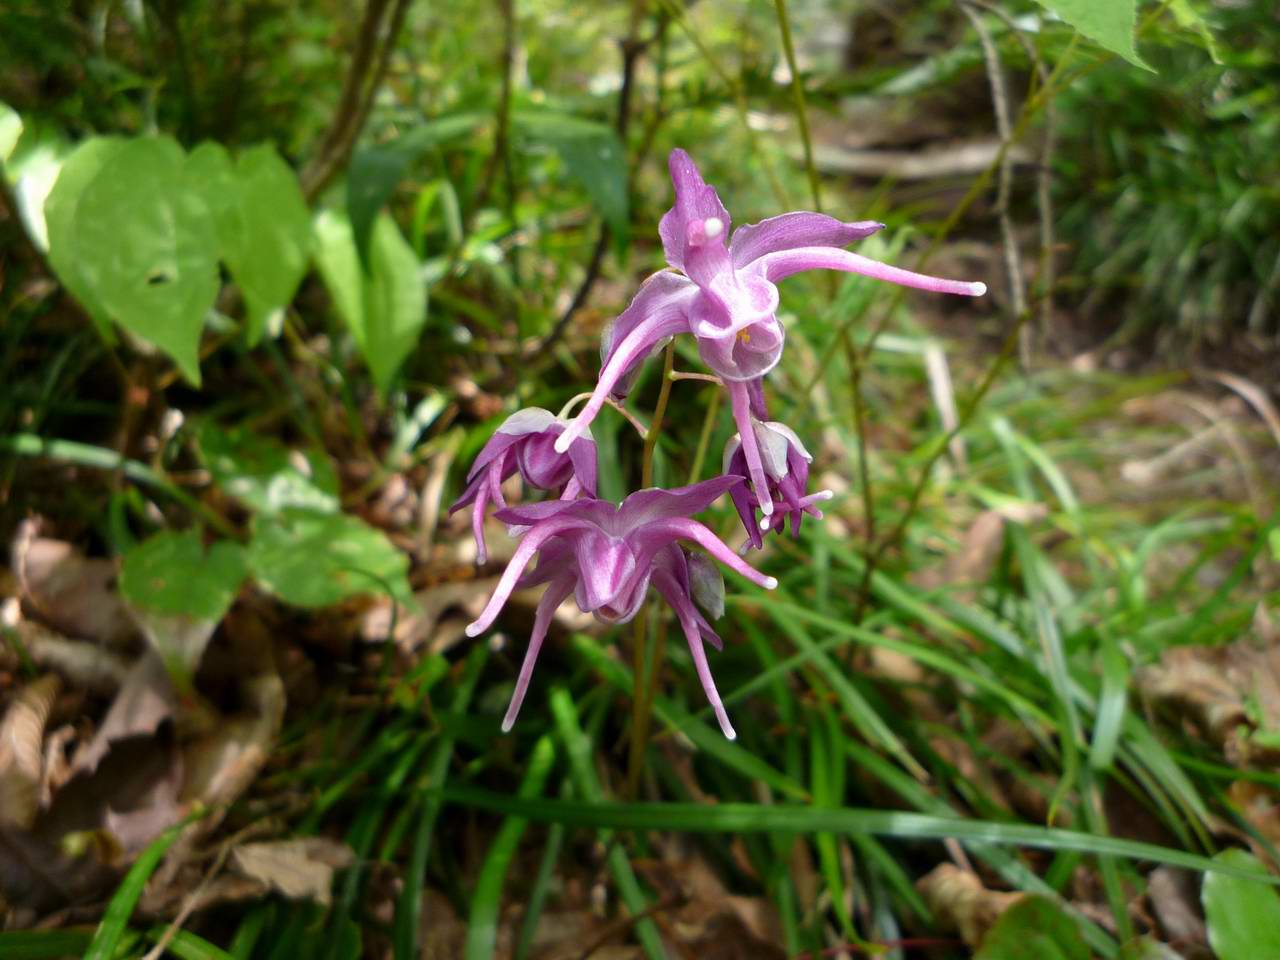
694,201
800,229
547,606
689,622
663,292
631,350
740,398
529,545
778,266
653,537
655,503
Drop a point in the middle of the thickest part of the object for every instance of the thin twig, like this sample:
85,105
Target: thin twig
368,66
623,924
797,95
1044,170
632,49
1004,180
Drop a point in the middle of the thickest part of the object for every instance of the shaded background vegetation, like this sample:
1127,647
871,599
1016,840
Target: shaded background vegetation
1042,597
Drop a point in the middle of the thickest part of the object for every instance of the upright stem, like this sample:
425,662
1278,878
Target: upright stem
797,94
642,697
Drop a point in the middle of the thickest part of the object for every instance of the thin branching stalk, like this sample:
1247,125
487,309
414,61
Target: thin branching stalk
797,97
632,50
704,438
374,44
1004,180
642,700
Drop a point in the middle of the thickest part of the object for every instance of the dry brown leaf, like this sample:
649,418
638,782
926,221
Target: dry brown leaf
145,701
85,664
21,750
299,869
74,594
1175,900
710,922
1232,693
960,901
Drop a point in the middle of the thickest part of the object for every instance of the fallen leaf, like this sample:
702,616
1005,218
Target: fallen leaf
961,902
74,594
1232,693
145,701
86,665
1174,898
298,869
21,750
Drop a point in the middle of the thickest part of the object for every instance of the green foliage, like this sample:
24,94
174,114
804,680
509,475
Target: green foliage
261,473
172,573
10,131
145,247
312,559
384,305
592,155
61,216
1243,916
1109,23
377,170
1171,225
264,229
1033,929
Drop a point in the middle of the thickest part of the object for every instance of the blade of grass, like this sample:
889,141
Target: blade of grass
42,944
482,926
120,908
409,906
703,736
578,749
796,819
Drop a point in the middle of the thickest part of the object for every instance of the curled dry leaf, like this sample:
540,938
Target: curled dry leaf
86,665
70,592
962,903
145,701
21,750
1232,693
299,869
1175,900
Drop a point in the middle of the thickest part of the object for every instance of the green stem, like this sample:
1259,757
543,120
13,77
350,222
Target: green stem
797,94
704,440
641,703
98,458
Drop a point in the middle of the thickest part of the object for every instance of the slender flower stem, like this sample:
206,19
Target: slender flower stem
704,377
797,94
571,403
630,417
642,699
659,411
704,440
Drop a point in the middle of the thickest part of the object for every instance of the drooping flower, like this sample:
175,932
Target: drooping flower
726,296
786,468
606,556
526,442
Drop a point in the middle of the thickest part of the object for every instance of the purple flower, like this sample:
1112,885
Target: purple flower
786,469
607,556
726,297
526,441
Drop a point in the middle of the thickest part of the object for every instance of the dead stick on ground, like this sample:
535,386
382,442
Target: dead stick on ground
1004,180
